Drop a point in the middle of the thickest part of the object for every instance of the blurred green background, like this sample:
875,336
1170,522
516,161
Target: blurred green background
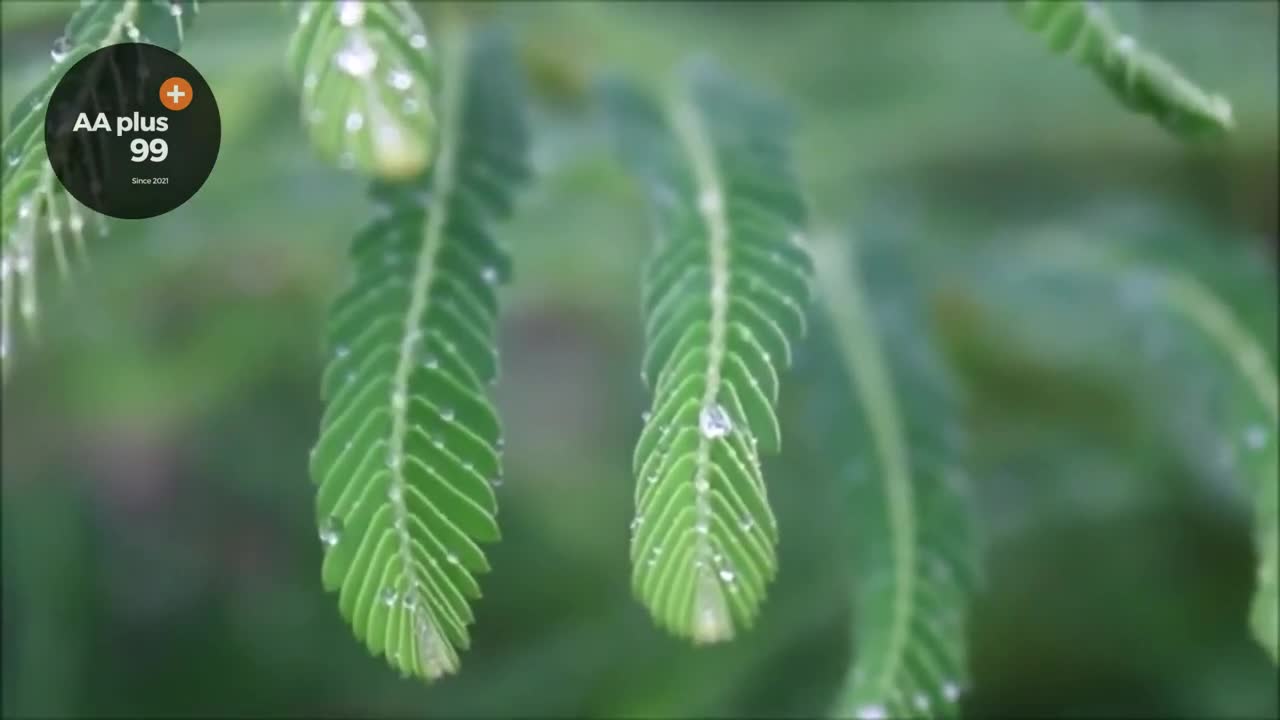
159,551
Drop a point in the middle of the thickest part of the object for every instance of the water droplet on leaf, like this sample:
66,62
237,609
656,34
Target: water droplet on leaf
714,422
357,59
330,531
350,12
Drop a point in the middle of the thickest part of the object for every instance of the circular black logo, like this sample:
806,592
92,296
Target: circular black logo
132,130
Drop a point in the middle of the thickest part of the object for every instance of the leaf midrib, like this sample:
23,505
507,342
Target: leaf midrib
859,350
424,275
709,601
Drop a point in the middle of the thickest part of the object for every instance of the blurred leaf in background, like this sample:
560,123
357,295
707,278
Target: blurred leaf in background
160,552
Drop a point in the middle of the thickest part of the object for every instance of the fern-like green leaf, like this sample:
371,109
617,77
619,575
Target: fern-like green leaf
1229,413
1140,79
409,441
36,209
366,71
916,552
725,295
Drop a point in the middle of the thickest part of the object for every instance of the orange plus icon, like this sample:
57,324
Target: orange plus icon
175,93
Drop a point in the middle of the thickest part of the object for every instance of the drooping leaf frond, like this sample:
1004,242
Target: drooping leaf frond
410,442
366,72
1216,370
725,296
915,547
36,209
1139,78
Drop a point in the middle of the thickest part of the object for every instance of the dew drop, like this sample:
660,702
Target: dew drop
330,531
350,12
398,400
410,602
389,597
309,82
355,121
132,31
14,159
430,362
653,478
490,275
342,351
356,58
951,691
400,79
451,559
727,575
644,416
418,41
394,460
496,482
1255,437
702,528
701,485
746,524
446,414
635,524
175,10
871,712
438,443
410,106
24,209
921,702
395,494
710,201
61,47
714,422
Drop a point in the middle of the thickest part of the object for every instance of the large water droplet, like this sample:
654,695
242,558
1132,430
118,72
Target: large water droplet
714,422
350,12
330,531
356,58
